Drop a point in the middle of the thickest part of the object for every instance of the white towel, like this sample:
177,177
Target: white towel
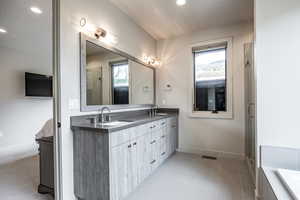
46,131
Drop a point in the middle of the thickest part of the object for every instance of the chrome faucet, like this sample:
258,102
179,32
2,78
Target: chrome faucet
153,111
102,118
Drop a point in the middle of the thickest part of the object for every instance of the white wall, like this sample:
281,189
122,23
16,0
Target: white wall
209,135
20,117
131,39
141,84
25,48
277,63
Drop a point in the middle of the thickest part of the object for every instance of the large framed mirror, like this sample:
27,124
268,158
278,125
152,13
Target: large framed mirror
110,77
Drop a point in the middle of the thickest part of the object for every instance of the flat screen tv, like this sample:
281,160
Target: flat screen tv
38,85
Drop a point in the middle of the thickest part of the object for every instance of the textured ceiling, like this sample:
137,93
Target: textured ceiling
163,19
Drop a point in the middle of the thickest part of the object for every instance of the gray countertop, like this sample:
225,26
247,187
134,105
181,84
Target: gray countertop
82,122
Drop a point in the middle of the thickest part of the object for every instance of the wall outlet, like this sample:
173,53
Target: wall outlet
1,134
74,104
164,102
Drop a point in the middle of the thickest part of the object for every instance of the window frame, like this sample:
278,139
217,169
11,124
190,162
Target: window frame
112,64
228,114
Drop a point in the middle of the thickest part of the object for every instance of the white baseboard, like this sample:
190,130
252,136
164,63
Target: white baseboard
218,154
16,152
257,196
252,174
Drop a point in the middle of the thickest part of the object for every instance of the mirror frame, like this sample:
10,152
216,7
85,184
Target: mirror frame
83,105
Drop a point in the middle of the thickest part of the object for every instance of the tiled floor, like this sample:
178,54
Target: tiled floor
19,180
189,177
182,177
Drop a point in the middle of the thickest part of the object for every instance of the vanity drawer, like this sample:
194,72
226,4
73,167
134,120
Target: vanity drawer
142,130
154,126
162,123
121,137
156,134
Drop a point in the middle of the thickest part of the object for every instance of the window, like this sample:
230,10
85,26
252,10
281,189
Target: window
120,82
211,86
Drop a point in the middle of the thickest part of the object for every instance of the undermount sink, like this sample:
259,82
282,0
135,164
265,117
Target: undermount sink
162,114
115,123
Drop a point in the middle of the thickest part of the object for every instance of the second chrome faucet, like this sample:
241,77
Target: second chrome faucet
102,117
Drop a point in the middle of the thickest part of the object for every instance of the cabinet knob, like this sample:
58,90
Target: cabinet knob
153,142
163,153
134,144
153,162
129,146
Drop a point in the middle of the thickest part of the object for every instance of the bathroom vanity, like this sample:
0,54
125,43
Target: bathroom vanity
112,159
114,151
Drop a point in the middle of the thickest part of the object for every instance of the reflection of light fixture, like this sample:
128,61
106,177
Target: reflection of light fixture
2,30
82,22
100,33
151,61
180,2
36,10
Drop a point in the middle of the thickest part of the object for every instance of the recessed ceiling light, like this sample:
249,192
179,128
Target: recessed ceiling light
36,10
2,30
180,2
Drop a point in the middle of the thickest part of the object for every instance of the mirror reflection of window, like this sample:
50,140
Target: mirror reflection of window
111,78
120,82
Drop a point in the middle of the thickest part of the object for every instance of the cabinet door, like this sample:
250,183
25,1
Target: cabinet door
148,158
173,137
143,157
119,137
119,172
163,148
163,142
132,166
155,152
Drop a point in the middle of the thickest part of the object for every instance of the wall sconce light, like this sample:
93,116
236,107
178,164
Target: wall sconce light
100,33
97,32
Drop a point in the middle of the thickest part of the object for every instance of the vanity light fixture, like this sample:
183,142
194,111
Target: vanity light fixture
151,61
2,30
36,10
97,32
100,33
180,2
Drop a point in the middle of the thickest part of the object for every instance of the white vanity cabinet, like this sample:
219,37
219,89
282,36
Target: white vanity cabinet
136,152
172,136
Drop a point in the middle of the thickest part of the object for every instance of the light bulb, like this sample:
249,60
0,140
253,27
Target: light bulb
36,10
180,2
